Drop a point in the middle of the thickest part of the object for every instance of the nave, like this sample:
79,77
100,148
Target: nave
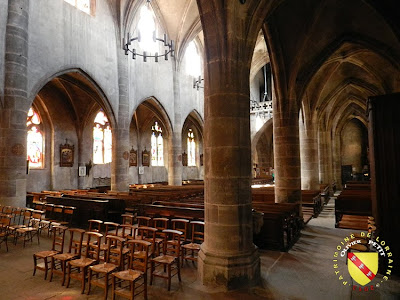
304,272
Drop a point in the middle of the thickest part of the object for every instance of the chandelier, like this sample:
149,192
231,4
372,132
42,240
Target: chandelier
128,45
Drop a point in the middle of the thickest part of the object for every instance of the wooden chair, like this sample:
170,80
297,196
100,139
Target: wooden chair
128,233
136,272
197,228
49,207
67,216
128,219
59,261
113,262
163,265
77,268
5,222
94,226
17,215
181,225
161,224
143,221
57,247
147,234
58,213
111,228
31,229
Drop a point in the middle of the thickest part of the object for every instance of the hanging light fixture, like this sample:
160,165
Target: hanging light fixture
128,45
197,82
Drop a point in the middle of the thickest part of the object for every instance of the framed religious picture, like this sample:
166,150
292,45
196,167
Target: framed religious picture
66,155
132,158
201,160
145,158
184,159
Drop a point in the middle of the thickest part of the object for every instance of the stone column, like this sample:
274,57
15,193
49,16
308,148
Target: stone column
228,256
16,105
323,156
287,153
337,171
309,156
175,159
175,142
120,163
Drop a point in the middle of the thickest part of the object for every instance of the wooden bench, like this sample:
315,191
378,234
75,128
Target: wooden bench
353,202
86,209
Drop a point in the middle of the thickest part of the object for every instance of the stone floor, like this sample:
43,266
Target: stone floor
305,272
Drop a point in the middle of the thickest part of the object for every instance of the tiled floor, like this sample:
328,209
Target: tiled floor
305,272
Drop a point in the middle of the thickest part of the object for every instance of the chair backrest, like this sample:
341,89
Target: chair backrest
7,210
49,210
128,219
114,253
17,213
172,242
148,234
111,228
140,251
39,205
26,217
181,225
5,221
58,238
68,213
143,221
93,245
127,231
75,242
160,223
197,232
95,225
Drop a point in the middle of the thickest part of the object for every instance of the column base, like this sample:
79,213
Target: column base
231,272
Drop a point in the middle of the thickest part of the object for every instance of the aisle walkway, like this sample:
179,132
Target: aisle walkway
305,272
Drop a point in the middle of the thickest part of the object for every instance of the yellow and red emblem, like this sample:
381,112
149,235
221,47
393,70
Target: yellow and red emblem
362,266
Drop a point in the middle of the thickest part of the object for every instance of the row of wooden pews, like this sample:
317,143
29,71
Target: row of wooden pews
281,222
353,207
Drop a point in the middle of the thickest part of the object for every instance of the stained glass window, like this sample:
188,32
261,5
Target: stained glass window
102,139
157,146
83,5
191,148
34,139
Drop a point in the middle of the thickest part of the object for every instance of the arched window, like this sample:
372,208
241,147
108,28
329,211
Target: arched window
193,61
157,146
34,139
147,30
191,148
102,139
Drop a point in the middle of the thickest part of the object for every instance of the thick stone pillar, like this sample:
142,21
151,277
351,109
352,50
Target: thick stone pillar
286,154
228,256
309,156
323,156
14,112
175,159
120,163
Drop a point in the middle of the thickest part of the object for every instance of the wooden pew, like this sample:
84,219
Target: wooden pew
86,209
353,202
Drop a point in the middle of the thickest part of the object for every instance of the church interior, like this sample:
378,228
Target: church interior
249,147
